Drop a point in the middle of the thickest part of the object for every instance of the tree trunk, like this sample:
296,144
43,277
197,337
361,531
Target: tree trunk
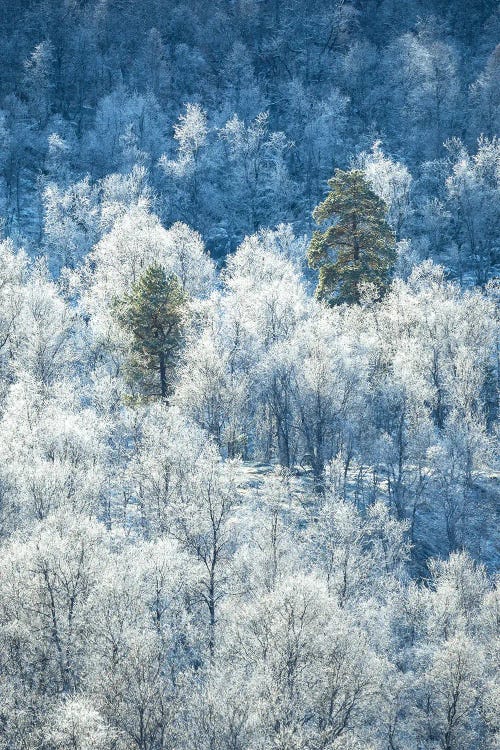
163,376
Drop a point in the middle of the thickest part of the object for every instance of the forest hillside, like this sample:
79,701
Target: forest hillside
249,375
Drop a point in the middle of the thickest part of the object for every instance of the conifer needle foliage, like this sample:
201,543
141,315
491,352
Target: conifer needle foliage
153,312
358,245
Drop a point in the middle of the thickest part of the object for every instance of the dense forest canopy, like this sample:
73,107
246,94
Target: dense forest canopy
249,375
235,113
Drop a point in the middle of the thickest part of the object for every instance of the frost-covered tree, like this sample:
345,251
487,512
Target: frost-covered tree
71,218
391,181
257,173
296,549
472,193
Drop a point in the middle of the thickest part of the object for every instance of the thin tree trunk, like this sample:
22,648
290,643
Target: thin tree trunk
163,376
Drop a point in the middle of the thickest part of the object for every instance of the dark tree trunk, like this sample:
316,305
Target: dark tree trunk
163,376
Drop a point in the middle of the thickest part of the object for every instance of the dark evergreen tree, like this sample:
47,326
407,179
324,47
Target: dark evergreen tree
358,246
154,313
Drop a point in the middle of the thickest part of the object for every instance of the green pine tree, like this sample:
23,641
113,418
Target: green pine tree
154,312
358,245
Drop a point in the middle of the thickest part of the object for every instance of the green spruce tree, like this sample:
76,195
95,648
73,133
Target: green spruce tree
154,313
357,247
